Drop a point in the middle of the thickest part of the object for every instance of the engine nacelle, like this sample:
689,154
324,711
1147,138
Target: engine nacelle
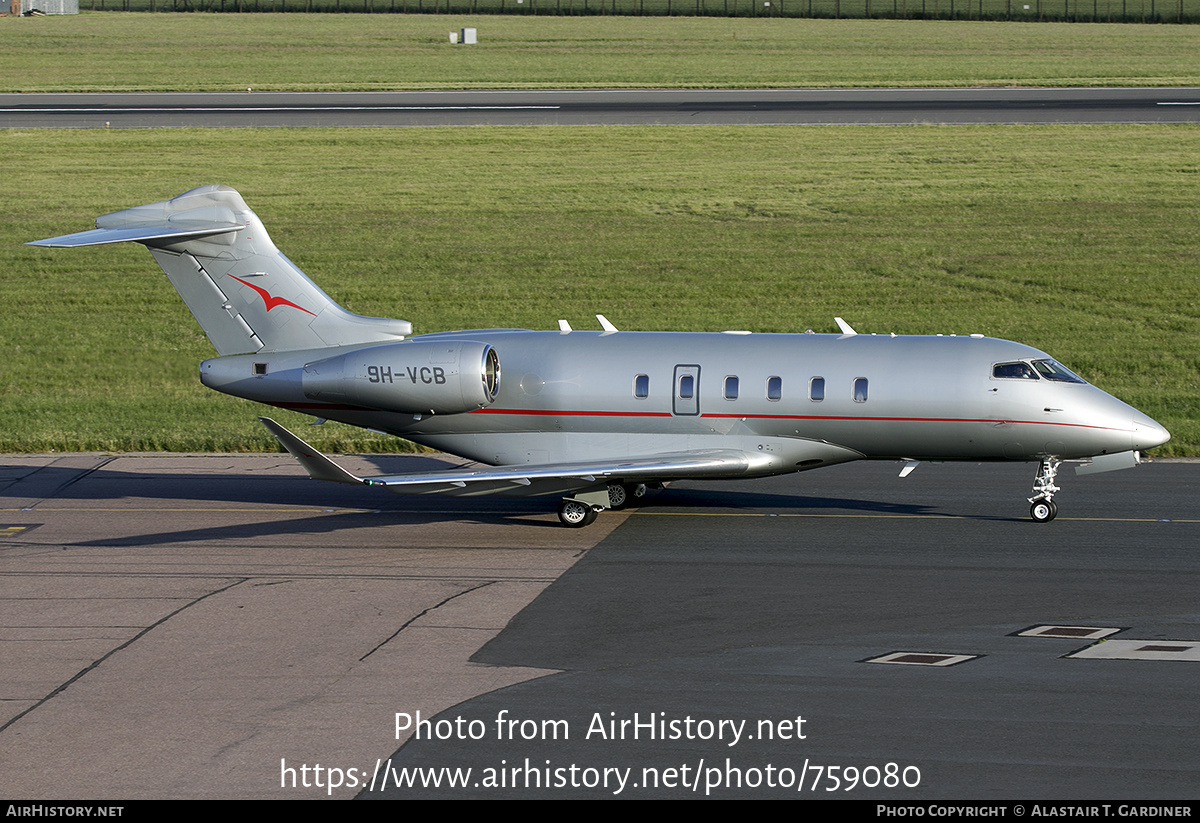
446,377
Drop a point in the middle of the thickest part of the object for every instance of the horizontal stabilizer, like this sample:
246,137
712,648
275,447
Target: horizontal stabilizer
159,234
243,291
532,479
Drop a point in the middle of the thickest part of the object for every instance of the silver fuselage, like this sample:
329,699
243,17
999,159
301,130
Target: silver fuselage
573,396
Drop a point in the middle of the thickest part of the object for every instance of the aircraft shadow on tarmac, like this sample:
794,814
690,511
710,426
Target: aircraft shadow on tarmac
234,486
375,508
496,511
744,501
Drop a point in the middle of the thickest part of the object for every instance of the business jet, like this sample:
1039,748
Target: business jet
599,417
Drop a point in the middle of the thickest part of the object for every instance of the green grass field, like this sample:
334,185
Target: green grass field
194,52
1078,240
1074,11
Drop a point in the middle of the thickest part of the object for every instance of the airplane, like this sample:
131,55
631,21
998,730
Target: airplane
600,417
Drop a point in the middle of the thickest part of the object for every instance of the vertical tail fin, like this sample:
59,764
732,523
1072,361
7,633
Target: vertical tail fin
246,295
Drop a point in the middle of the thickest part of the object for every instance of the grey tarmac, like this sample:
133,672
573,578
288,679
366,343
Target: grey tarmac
601,107
175,625
190,626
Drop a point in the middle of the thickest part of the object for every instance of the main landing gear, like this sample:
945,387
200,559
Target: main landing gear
576,514
621,495
581,510
1042,507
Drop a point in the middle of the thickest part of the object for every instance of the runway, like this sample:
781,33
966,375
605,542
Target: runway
602,107
196,626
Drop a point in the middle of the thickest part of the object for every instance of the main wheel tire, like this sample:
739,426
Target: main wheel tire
618,496
1043,511
574,514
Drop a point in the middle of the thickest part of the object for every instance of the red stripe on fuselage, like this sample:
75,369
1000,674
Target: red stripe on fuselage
571,413
317,406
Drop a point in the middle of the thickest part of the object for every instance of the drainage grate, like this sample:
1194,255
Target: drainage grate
1188,650
1071,632
922,658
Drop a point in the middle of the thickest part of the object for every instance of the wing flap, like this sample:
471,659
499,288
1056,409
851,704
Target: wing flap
713,463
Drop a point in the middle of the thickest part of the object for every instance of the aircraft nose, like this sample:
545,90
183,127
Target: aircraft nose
1147,433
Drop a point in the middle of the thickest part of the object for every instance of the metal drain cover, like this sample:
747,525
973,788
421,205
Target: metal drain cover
1142,650
922,658
1070,632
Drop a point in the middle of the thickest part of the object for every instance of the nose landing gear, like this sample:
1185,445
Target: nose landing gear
1042,507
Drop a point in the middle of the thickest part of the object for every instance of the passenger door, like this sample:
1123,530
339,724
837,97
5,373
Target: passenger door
686,390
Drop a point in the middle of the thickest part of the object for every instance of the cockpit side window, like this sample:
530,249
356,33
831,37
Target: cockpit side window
1053,370
1020,370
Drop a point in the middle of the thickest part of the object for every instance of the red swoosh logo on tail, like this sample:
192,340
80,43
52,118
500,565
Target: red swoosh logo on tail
269,300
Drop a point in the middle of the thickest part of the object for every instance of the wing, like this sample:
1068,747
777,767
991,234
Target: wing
532,479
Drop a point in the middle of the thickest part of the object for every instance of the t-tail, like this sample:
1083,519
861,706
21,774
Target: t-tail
246,295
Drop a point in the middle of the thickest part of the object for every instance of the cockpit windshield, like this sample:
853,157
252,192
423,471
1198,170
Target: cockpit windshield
1035,370
1053,370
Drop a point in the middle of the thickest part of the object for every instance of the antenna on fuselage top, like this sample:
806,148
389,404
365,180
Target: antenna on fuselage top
844,326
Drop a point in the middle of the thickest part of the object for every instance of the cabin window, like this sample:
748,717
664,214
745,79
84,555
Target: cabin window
860,390
774,388
260,369
641,386
687,384
731,388
1014,371
816,389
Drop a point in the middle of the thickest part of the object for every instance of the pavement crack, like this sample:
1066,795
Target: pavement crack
418,616
40,496
63,687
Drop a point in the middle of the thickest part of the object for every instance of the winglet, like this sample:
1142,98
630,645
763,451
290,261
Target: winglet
318,466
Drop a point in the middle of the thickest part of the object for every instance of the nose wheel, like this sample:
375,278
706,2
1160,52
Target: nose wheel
1043,511
1042,507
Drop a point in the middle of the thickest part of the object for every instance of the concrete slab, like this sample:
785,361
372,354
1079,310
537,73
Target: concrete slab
186,626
